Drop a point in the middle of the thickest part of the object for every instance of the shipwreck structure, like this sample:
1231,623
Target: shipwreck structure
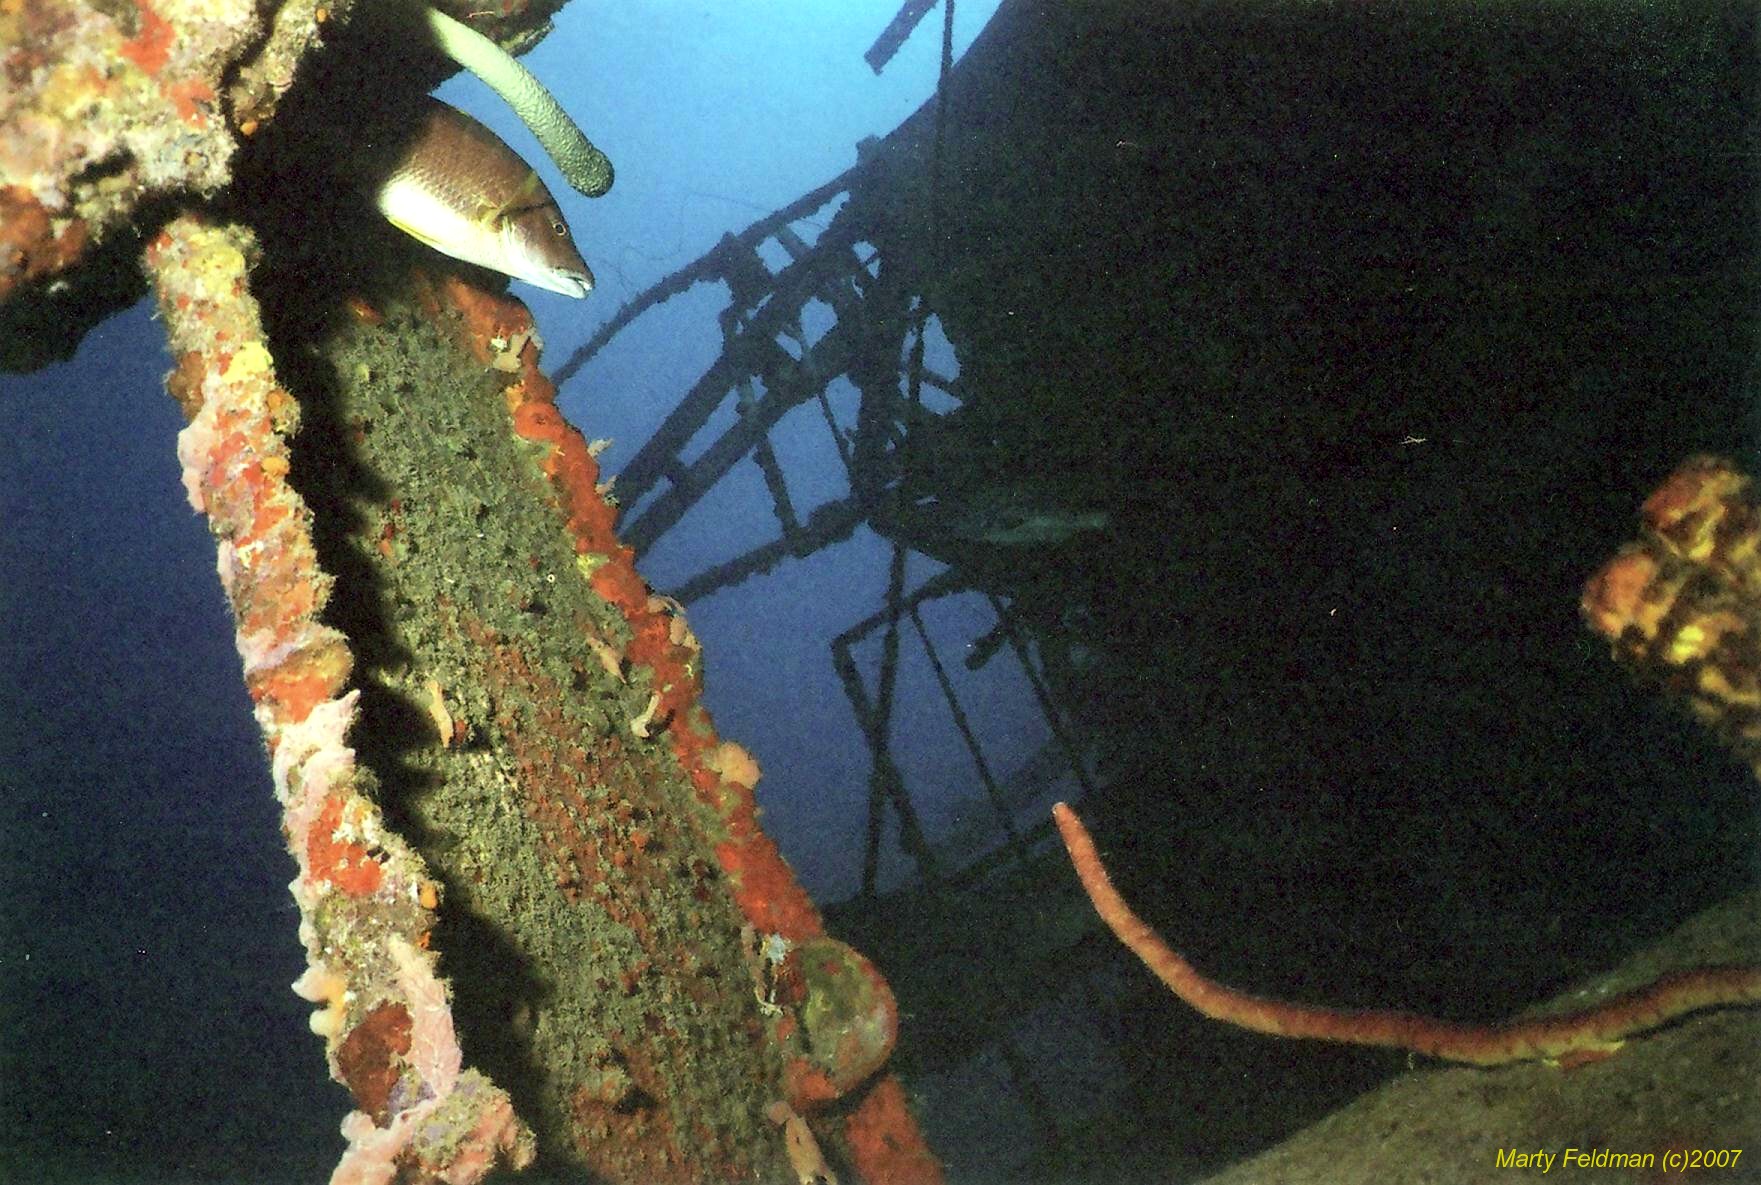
1224,335
541,921
1277,479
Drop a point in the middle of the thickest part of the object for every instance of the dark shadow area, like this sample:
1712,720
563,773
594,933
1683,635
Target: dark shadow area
1368,330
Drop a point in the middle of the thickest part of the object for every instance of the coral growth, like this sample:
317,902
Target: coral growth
111,116
105,107
1682,606
366,902
112,109
261,79
835,1021
661,646
849,1023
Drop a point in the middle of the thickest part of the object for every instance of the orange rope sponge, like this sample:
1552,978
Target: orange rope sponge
1591,1032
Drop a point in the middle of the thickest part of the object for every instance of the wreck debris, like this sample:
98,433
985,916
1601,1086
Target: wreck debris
366,901
834,1022
848,1021
295,27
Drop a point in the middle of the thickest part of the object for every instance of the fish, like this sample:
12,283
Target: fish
1009,516
456,186
1026,525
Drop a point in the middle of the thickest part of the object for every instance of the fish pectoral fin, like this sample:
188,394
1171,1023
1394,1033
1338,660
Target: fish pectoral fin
493,214
419,235
489,217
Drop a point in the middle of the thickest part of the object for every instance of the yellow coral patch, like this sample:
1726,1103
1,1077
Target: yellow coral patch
72,91
250,359
220,263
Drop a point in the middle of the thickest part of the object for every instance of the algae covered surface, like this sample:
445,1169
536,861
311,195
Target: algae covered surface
585,936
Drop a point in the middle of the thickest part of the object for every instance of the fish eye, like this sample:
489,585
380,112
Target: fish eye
560,227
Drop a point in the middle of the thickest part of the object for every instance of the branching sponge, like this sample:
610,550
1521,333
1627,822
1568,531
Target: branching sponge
585,167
